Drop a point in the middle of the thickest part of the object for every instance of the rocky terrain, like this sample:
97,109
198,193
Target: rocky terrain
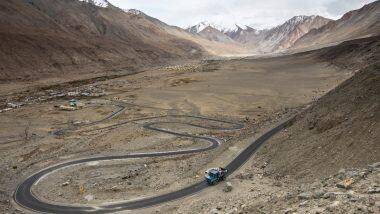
354,190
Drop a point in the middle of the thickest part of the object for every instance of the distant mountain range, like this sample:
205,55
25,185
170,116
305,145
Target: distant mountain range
269,40
299,32
202,25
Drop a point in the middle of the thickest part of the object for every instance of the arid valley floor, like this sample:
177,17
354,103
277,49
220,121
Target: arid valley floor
255,92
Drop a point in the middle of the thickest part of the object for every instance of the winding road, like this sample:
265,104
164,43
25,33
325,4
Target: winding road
24,197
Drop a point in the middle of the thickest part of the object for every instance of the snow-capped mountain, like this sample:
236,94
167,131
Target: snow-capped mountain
202,25
239,33
215,32
99,3
278,38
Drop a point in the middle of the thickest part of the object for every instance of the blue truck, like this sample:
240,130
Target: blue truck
215,175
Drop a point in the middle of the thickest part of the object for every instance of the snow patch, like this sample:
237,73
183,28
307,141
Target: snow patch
201,26
99,3
134,11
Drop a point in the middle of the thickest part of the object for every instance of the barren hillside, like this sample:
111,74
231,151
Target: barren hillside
341,129
51,37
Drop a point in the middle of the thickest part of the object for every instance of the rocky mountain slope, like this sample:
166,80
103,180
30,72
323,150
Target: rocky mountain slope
50,37
213,34
360,23
341,129
284,36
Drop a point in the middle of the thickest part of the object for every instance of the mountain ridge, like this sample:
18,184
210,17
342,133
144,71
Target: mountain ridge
363,22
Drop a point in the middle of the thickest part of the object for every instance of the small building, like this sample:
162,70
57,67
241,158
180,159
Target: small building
14,105
76,104
73,103
67,108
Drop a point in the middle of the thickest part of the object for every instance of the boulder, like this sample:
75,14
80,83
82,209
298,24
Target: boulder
304,196
318,194
227,187
332,207
65,183
329,195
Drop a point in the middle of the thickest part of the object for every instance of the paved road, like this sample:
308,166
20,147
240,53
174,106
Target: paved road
120,108
23,196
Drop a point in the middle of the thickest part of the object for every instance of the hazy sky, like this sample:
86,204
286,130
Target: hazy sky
256,13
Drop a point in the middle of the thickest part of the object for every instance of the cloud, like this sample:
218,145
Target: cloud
338,7
256,13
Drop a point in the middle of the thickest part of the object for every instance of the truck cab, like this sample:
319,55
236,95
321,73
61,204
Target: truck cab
215,175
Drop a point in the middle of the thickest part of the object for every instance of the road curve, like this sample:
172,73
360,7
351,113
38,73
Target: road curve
113,114
25,198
